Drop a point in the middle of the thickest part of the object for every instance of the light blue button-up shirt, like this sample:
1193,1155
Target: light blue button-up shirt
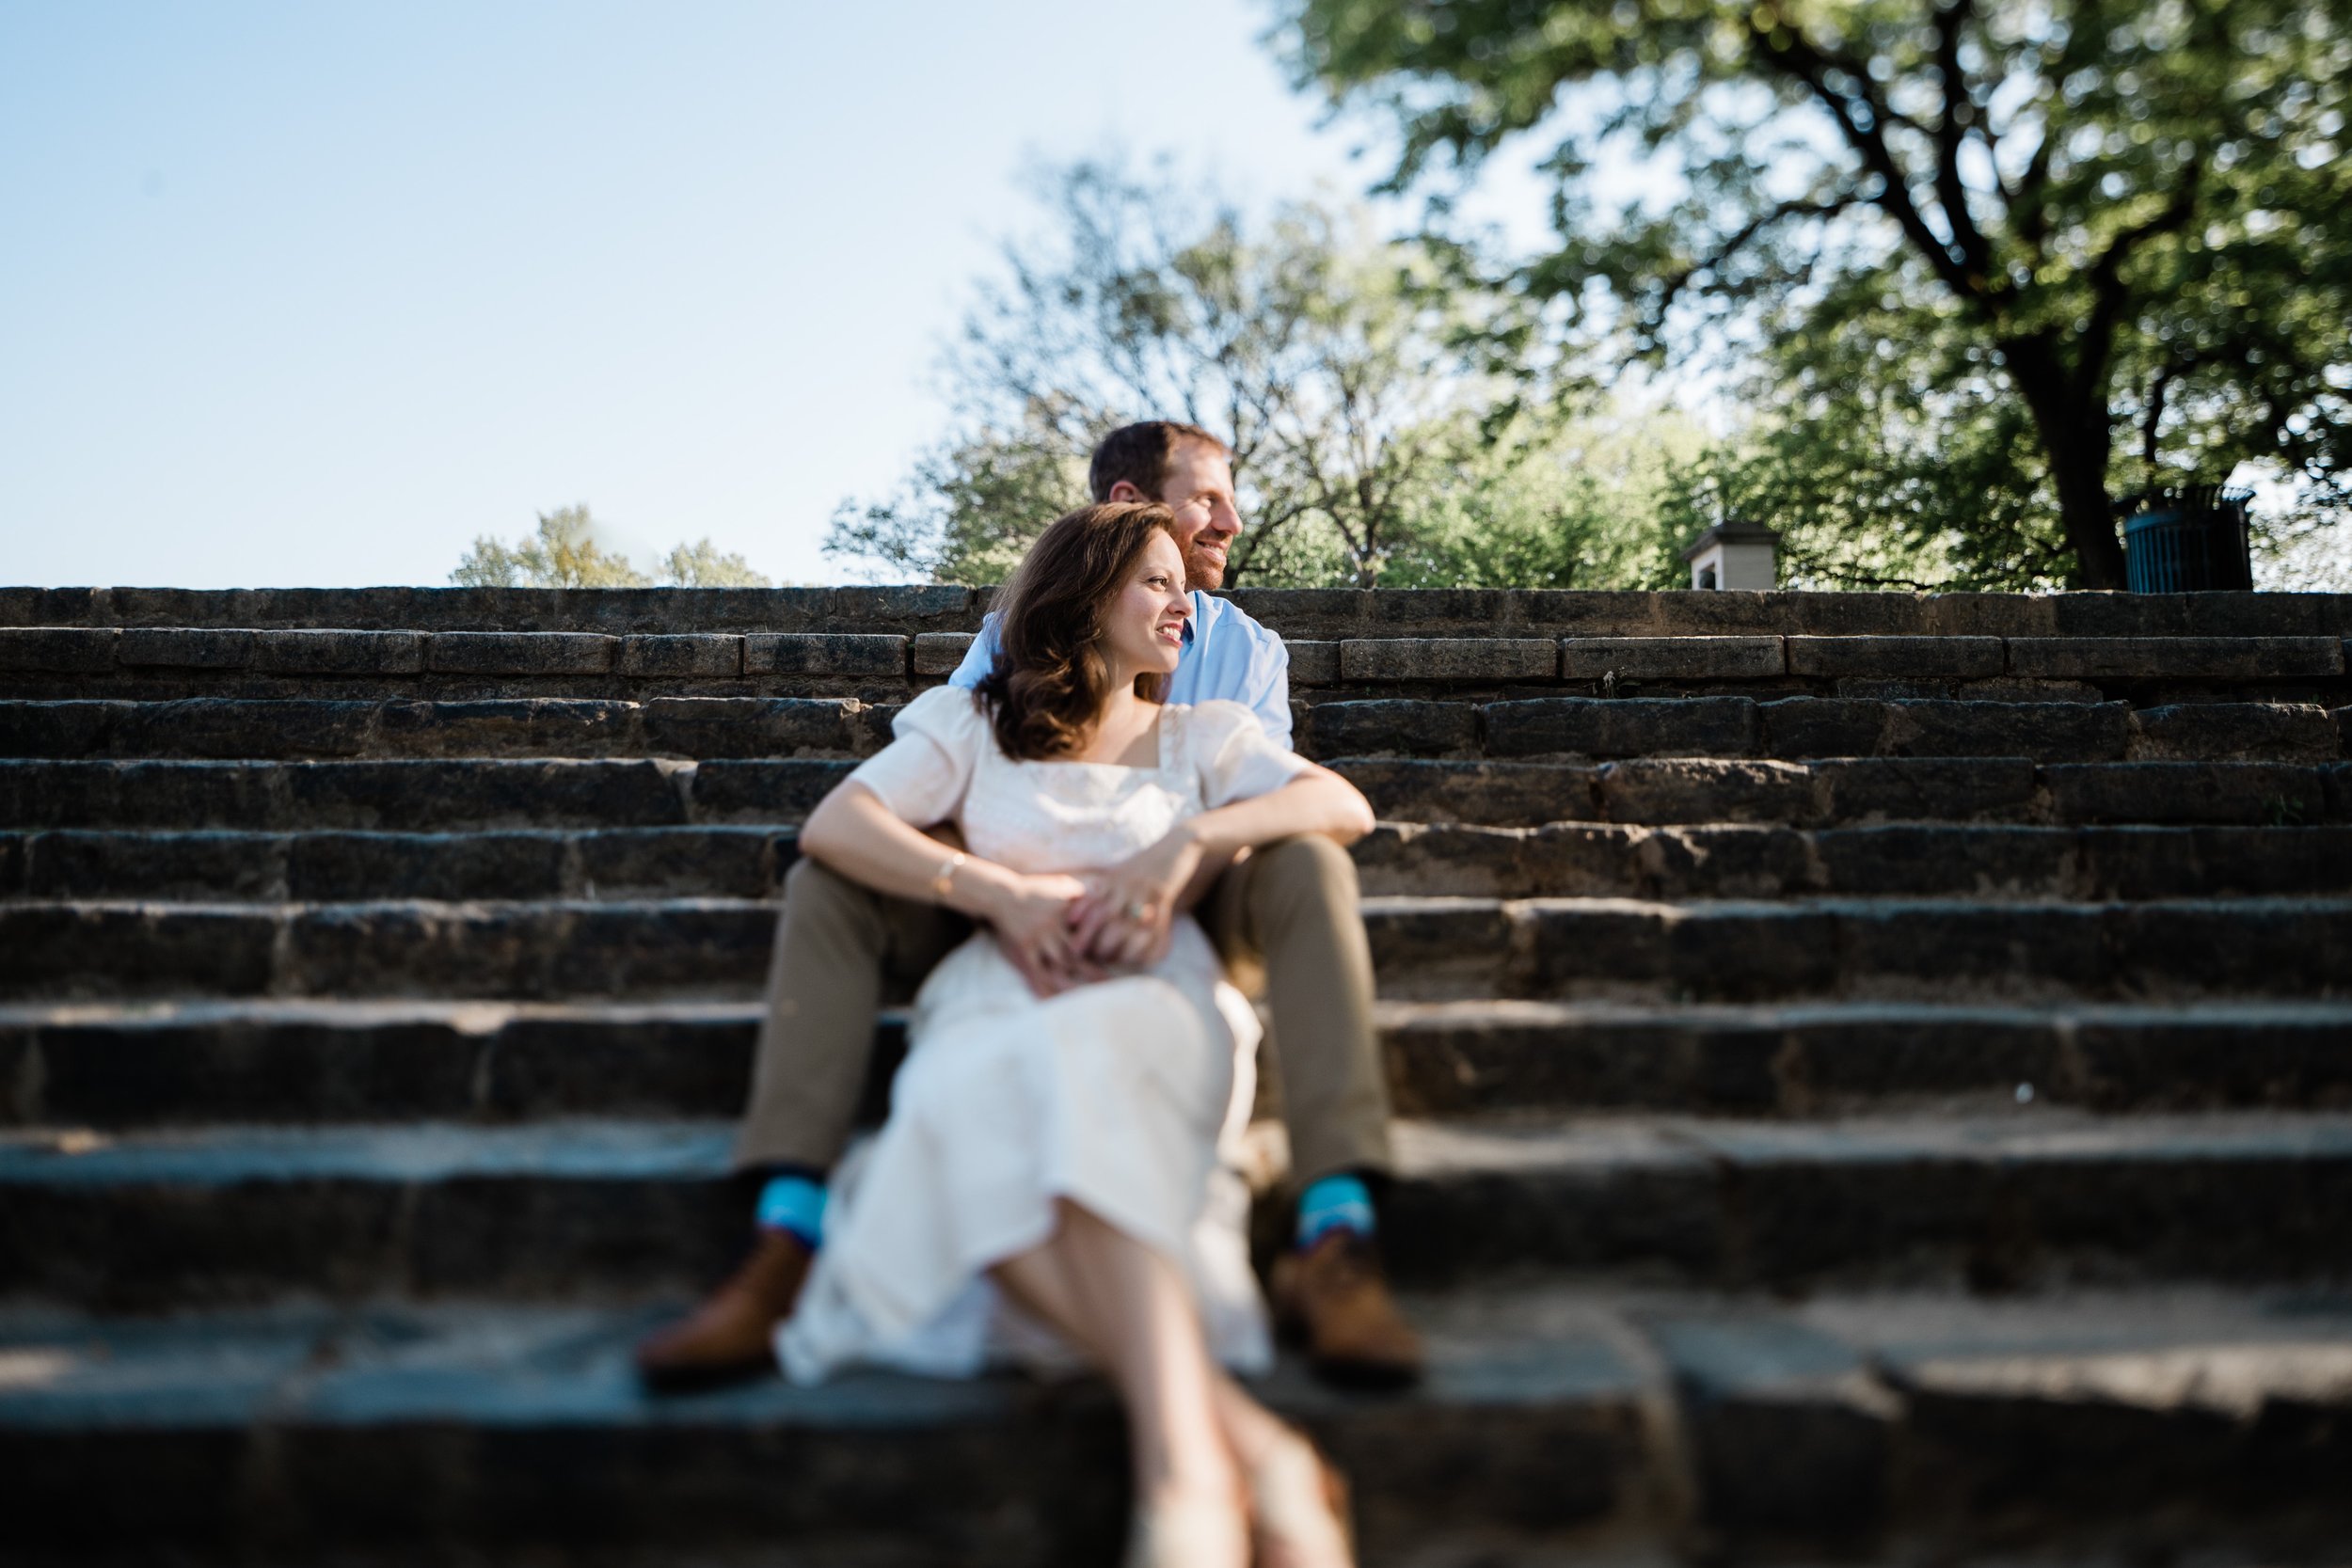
1226,655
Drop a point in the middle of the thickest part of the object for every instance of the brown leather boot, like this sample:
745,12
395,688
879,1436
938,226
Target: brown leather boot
1334,1299
731,1336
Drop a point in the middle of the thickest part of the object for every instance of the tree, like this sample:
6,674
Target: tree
1345,374
701,565
564,554
2135,215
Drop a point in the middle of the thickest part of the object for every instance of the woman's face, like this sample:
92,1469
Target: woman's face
1144,628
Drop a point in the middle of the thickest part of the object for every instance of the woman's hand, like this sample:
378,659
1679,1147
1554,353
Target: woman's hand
1128,914
1031,917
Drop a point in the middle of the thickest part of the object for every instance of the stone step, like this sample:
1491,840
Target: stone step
1796,728
1985,860
1842,792
1570,728
548,727
573,1210
1569,1424
1425,948
109,1065
435,795
151,663
1294,612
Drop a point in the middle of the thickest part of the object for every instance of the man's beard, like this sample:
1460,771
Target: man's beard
1204,570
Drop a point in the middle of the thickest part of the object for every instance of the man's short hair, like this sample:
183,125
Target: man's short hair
1141,454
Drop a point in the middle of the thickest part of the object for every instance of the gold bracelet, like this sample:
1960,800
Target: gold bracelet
947,872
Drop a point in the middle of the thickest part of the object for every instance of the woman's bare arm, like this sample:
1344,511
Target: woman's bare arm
1159,881
852,832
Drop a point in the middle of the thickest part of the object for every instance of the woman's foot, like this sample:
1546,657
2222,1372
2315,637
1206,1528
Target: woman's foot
1299,1506
1189,1530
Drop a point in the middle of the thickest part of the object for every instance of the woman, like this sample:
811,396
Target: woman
1051,1153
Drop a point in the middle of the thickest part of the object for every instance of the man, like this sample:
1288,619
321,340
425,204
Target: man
1291,906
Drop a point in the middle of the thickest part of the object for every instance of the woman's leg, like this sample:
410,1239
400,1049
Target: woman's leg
1127,1308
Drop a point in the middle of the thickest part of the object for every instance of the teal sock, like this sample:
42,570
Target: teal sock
1334,1203
795,1205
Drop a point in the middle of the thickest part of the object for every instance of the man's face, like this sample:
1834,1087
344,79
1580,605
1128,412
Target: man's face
1199,490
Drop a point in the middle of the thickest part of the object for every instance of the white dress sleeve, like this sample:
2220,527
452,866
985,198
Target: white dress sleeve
1233,756
922,775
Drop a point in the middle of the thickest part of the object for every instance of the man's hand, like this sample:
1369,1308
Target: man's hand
1127,917
1031,917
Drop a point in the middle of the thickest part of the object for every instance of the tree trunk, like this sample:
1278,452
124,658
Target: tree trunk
2075,441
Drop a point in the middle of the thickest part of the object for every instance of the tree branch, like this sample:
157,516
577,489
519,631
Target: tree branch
1746,235
1785,47
1959,106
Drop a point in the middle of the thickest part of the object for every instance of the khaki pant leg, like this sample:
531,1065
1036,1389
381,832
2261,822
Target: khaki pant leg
834,943
1293,905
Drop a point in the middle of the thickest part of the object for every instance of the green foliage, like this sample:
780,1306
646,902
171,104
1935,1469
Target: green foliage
1591,502
2116,232
1349,376
564,553
701,565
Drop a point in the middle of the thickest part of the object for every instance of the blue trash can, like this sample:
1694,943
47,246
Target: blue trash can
2189,541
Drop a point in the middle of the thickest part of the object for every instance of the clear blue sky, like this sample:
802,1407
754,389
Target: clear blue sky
318,292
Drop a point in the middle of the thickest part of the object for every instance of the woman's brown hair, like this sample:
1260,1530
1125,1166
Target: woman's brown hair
1050,678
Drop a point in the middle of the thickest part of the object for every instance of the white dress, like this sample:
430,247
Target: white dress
1127,1097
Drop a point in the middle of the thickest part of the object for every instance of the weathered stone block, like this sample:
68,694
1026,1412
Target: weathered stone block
1314,663
1937,860
1975,949
1897,658
1895,789
694,863
186,647
76,650
2262,794
409,797
939,652
112,950
2237,732
1559,860
1671,657
2215,862
752,726
664,949
342,867
529,726
2231,947
520,653
1447,659
339,653
698,654
2175,658
2338,779
1725,863
775,791
1667,790
67,729
1446,946
233,728
199,867
1353,729
1792,1434
1796,727
1620,727
2046,732
41,794
1505,794
49,607
821,653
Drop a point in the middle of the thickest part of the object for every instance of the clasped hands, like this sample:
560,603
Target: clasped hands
1062,931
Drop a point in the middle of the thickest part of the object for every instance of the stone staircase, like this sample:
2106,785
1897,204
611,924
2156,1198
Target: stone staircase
1876,1075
